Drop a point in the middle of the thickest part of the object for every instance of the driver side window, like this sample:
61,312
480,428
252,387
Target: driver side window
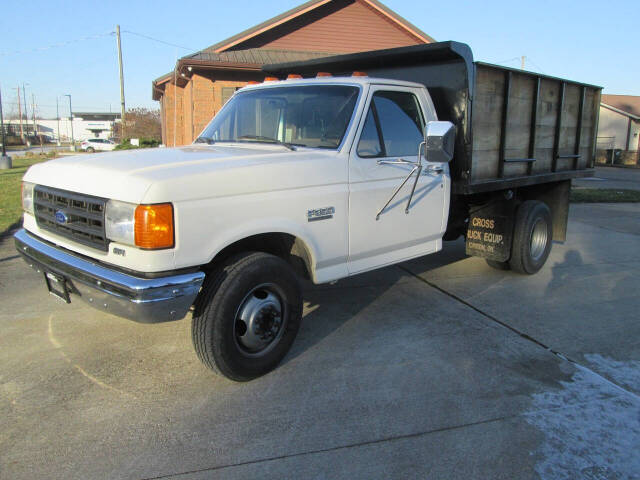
393,127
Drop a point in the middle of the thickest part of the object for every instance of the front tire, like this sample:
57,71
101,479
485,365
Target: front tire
247,316
532,237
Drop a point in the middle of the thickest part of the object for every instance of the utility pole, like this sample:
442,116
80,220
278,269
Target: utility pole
36,130
121,84
58,119
522,62
20,114
73,142
26,114
33,115
5,160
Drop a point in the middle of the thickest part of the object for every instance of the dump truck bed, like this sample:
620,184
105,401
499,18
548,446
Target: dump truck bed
514,128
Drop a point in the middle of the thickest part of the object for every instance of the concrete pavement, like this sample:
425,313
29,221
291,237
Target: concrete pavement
437,368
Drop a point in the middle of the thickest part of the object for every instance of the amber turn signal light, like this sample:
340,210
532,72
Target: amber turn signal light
154,226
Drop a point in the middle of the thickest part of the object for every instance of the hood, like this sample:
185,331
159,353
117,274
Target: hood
169,174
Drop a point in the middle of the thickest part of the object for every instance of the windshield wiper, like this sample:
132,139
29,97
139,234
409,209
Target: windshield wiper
206,140
260,138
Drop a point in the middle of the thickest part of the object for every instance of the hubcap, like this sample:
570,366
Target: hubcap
538,239
259,322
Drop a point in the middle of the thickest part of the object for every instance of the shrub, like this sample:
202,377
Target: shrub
144,143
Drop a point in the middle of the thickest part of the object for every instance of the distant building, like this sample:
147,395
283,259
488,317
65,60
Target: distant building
619,126
200,84
85,125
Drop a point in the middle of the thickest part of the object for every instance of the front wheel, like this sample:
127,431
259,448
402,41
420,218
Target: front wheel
532,237
247,316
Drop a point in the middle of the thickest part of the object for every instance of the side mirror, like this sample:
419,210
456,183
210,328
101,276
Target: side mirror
439,141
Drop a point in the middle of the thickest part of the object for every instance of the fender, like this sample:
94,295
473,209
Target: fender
268,225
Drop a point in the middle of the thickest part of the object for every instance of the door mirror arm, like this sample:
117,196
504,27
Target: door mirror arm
438,145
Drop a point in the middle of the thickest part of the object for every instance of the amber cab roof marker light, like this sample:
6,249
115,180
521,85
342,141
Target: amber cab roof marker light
294,76
323,74
253,82
271,79
359,74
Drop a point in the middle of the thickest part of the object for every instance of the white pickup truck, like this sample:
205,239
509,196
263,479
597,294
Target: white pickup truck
321,178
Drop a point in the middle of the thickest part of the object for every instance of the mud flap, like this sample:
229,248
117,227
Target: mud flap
490,231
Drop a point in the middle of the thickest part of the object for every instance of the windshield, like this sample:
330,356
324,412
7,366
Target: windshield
306,115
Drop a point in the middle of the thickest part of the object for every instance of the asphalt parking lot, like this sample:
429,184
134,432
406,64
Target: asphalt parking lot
437,368
611,177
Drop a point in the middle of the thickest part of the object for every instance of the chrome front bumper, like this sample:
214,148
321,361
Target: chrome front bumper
145,300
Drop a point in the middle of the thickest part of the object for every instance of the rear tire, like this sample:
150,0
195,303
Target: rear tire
498,265
247,316
532,237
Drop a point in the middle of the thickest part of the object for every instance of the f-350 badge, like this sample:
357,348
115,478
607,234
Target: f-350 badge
315,214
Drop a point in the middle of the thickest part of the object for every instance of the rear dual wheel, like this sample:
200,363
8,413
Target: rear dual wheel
532,239
247,316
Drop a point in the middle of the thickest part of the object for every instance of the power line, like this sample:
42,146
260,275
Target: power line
157,40
87,38
507,60
58,45
535,64
53,106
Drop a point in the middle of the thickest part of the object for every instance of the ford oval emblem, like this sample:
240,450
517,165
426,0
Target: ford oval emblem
61,217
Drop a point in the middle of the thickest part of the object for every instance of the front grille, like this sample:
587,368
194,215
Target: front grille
81,216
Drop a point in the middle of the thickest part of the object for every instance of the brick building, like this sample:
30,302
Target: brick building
202,82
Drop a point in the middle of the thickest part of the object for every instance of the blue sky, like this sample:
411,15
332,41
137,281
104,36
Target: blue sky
66,47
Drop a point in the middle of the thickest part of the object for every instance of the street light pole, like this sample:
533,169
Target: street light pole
5,160
73,142
58,119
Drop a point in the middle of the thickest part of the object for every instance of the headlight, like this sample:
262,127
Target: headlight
145,226
27,197
119,221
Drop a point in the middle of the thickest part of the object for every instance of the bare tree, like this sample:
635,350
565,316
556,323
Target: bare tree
141,123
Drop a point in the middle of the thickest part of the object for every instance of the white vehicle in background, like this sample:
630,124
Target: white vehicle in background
317,178
98,145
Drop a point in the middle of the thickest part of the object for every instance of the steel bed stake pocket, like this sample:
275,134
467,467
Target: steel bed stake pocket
57,286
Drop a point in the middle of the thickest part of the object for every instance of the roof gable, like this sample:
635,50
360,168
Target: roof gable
368,23
626,103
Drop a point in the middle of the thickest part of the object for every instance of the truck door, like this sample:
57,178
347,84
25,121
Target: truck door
384,153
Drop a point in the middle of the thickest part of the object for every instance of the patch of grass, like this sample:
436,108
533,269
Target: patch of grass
604,195
10,201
